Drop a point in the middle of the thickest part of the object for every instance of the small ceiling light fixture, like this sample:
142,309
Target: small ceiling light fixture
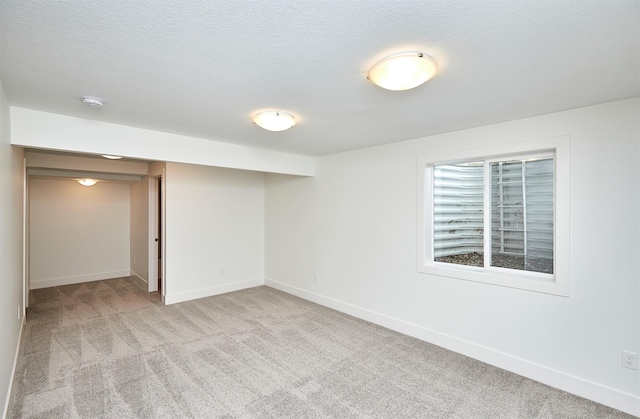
92,102
87,182
403,71
274,120
110,157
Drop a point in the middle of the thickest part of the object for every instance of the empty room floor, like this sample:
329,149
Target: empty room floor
109,349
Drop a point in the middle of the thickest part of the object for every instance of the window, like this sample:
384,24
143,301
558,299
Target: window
500,218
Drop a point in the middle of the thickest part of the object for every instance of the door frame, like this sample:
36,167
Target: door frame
26,282
154,194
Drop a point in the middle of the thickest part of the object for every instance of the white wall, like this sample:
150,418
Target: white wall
38,129
139,237
214,222
11,222
78,233
354,224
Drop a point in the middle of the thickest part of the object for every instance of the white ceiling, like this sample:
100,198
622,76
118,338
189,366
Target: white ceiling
203,68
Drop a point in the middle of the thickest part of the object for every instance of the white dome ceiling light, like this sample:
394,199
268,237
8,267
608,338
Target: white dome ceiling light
274,120
92,102
403,71
110,157
87,182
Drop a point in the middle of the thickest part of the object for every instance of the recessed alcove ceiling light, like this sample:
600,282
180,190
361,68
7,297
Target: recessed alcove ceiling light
274,120
92,102
87,182
403,71
110,157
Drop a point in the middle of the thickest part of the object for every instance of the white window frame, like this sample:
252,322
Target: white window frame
557,283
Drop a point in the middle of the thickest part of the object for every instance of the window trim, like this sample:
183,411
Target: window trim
556,284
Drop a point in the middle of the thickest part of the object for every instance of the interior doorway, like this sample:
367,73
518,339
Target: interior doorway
156,236
159,235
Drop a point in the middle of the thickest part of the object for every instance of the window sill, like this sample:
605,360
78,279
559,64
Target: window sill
530,281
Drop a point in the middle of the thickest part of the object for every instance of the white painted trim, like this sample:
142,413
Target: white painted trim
163,233
514,279
608,396
208,292
25,238
152,263
55,282
13,370
139,279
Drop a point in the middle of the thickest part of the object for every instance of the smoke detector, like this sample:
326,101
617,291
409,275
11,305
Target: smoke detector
92,102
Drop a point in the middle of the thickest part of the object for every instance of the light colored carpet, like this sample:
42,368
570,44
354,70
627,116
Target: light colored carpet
108,349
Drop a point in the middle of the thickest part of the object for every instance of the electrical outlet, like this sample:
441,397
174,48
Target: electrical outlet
19,312
629,360
316,278
222,271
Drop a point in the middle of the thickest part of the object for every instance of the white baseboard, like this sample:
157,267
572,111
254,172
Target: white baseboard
13,370
608,396
143,282
208,292
55,282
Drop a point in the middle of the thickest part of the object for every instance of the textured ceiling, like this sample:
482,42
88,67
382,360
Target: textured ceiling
203,68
